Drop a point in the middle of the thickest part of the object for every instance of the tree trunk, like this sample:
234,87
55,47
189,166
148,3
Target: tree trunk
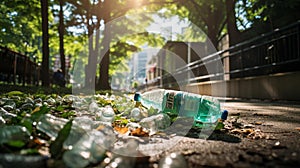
90,69
61,38
103,82
45,61
233,32
212,34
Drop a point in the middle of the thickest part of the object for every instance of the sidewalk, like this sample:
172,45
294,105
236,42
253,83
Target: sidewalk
262,134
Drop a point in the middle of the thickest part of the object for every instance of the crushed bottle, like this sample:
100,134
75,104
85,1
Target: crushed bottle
50,125
26,106
80,126
93,107
2,121
89,149
6,116
205,109
29,100
9,104
14,133
156,123
107,114
14,160
137,113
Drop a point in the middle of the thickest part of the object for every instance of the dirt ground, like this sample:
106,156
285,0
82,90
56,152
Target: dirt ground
256,134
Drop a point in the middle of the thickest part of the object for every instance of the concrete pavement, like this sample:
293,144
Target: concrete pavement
256,134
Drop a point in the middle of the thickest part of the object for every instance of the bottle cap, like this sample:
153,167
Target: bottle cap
137,96
224,115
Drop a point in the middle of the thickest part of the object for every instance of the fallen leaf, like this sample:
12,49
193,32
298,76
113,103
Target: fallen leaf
121,130
101,127
36,109
139,132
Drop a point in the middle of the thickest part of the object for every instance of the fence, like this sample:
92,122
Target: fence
17,68
271,53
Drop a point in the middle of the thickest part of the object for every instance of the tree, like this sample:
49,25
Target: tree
61,29
232,30
210,16
45,62
20,26
21,30
260,16
92,15
82,16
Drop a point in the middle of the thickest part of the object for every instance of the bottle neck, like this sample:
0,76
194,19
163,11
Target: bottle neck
137,104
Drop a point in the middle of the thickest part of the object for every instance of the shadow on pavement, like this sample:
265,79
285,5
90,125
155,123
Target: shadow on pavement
222,136
215,135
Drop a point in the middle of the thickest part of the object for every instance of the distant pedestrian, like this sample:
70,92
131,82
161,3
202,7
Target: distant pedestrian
59,78
146,83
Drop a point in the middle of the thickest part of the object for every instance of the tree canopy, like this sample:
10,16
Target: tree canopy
88,33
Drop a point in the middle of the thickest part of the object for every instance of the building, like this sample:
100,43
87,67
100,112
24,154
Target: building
174,55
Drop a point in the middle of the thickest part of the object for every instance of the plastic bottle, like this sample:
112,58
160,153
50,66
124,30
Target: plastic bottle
205,109
156,122
90,148
136,112
6,117
16,160
80,126
50,125
2,121
13,133
151,98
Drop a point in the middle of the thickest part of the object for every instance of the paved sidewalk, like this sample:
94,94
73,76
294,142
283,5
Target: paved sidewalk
258,134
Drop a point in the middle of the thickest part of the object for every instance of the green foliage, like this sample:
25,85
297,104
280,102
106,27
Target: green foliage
16,143
262,16
56,147
15,93
20,30
153,111
39,112
20,25
219,125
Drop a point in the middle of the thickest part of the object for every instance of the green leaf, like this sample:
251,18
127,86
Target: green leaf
152,111
29,151
27,123
60,108
15,93
56,147
68,114
219,126
17,143
43,110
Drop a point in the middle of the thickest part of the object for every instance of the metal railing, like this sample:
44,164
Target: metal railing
270,53
17,68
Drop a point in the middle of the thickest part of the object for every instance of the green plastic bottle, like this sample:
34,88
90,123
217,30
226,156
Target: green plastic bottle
205,109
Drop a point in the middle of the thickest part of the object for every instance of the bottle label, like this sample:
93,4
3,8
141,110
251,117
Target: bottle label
191,104
170,100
